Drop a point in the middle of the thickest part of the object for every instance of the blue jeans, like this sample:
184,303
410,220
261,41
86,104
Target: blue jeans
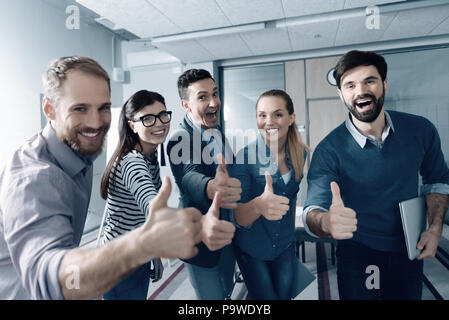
358,266
217,282
268,280
133,287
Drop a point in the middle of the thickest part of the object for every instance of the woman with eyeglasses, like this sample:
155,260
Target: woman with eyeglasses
131,180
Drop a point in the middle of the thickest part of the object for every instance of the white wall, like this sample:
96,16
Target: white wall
32,34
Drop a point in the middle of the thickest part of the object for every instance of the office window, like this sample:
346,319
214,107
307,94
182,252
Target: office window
418,84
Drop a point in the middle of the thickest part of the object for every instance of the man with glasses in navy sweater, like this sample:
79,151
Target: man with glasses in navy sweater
358,175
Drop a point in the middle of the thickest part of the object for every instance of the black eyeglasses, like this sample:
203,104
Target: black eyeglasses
149,120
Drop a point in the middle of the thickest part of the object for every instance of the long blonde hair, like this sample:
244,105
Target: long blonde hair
295,145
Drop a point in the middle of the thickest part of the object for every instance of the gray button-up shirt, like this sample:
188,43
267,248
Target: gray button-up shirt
44,196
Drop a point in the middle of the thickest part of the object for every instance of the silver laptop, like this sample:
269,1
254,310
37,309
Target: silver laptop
413,215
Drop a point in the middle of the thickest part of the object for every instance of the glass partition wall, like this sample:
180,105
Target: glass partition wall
241,87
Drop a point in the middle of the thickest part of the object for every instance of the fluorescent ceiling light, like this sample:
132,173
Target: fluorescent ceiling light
209,33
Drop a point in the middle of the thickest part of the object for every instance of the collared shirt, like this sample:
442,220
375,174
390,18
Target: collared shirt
44,197
361,140
264,239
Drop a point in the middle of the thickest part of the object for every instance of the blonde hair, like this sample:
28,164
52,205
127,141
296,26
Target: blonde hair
56,73
295,145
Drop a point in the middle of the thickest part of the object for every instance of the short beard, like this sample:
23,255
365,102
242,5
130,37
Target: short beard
371,115
73,142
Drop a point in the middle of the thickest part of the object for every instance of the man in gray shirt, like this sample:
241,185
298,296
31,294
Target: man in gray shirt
45,191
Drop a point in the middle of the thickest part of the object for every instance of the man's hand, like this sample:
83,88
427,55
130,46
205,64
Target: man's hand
230,188
340,222
428,243
216,233
436,209
271,206
168,232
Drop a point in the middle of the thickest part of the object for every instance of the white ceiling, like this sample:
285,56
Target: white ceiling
321,24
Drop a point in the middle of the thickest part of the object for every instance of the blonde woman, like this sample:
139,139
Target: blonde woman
264,242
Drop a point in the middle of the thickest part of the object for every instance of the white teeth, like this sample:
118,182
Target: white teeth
272,130
158,132
89,135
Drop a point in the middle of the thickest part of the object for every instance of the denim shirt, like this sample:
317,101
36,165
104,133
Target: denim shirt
264,239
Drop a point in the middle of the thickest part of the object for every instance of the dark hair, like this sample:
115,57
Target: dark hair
189,77
295,145
355,58
127,138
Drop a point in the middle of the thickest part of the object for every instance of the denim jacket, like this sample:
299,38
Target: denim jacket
264,239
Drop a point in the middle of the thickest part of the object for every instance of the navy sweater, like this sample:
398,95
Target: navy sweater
374,180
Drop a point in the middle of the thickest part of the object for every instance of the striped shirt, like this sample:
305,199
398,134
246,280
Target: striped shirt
134,181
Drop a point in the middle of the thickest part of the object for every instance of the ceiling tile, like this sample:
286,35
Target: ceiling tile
137,16
226,46
243,12
192,15
313,35
442,28
354,30
188,51
296,8
267,41
415,23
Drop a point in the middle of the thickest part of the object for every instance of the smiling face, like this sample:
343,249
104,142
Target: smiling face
150,137
203,103
363,92
273,119
82,113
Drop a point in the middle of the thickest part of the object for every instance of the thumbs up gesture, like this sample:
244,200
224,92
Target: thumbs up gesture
216,233
229,188
339,221
167,232
272,206
161,199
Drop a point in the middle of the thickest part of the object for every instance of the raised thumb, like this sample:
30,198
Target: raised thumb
214,209
221,164
336,197
160,201
268,182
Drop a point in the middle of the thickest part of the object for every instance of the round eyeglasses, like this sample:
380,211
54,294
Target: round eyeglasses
149,120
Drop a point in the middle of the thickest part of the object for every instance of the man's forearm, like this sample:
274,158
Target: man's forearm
313,220
436,209
85,274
